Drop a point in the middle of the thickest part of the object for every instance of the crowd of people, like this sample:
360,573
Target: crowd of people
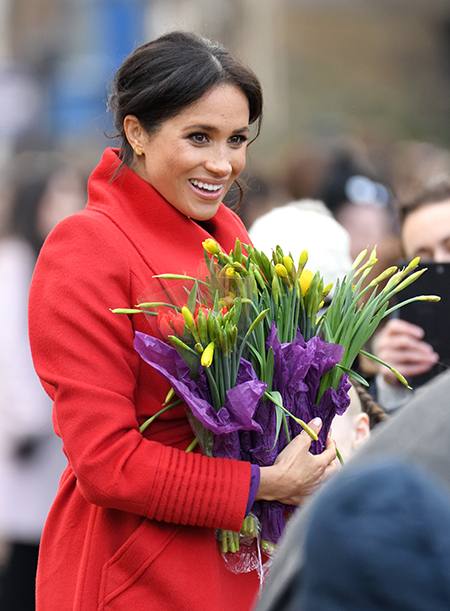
130,516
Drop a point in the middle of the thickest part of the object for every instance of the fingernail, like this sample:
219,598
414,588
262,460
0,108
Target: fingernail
317,421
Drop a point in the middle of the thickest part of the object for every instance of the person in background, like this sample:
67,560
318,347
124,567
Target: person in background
379,538
425,233
31,458
353,428
360,203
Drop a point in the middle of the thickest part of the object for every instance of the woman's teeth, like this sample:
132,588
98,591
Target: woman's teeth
205,185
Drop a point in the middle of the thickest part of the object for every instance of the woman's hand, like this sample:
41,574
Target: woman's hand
296,472
401,344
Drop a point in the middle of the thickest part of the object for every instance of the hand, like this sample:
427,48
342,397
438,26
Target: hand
401,344
296,472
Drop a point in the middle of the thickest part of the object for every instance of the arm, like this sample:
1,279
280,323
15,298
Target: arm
85,357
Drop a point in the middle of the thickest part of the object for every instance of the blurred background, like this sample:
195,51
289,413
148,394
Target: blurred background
367,76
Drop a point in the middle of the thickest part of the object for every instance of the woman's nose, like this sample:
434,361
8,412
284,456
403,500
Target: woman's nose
219,162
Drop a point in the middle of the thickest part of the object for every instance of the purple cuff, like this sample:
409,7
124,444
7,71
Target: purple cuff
254,485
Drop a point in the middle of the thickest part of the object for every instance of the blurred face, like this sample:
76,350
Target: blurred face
426,233
193,159
352,428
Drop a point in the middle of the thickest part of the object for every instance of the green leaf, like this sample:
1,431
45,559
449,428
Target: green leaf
353,374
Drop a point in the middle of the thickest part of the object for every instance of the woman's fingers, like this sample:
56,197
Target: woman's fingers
296,472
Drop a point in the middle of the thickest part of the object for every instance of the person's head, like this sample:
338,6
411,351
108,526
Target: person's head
358,201
44,194
378,538
353,427
182,108
426,223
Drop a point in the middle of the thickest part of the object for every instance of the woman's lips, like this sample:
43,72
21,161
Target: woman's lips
207,190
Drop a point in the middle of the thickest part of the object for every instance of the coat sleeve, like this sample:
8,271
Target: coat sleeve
85,358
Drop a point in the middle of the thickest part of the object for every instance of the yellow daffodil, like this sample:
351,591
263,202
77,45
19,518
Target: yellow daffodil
305,280
207,355
281,271
211,246
288,263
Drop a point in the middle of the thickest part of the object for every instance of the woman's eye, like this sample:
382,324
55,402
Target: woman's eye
198,138
238,140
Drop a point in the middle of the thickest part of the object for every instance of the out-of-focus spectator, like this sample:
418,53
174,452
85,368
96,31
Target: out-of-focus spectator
425,232
353,428
31,459
379,538
360,202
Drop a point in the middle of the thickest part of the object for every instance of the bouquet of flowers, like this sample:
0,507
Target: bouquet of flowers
255,355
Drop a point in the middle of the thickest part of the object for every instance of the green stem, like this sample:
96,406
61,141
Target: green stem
152,418
192,445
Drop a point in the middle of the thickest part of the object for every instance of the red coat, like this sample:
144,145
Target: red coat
133,524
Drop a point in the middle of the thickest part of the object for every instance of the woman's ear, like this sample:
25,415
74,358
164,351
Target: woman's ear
134,133
361,430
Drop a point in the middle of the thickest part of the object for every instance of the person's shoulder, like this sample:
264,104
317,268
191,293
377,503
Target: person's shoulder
86,227
86,239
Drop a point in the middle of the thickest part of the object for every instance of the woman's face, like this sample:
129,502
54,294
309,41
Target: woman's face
426,233
193,159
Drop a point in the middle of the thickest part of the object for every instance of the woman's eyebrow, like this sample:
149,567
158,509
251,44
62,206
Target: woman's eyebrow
212,128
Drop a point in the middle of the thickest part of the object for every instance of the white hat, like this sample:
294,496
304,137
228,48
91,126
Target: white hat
305,224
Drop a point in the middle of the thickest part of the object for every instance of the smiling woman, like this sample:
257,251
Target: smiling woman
194,157
133,524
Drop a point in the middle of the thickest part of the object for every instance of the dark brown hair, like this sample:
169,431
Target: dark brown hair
163,77
434,192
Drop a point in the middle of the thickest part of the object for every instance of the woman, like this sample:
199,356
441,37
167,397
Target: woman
133,524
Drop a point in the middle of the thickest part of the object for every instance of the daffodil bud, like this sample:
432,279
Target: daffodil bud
233,335
303,259
190,323
202,327
211,246
238,250
305,280
413,264
326,290
188,318
224,344
239,268
384,275
208,355
281,270
275,288
261,316
170,395
210,325
230,272
410,279
359,258
393,281
288,263
433,298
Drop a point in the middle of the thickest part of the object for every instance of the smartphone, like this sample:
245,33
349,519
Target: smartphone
431,316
